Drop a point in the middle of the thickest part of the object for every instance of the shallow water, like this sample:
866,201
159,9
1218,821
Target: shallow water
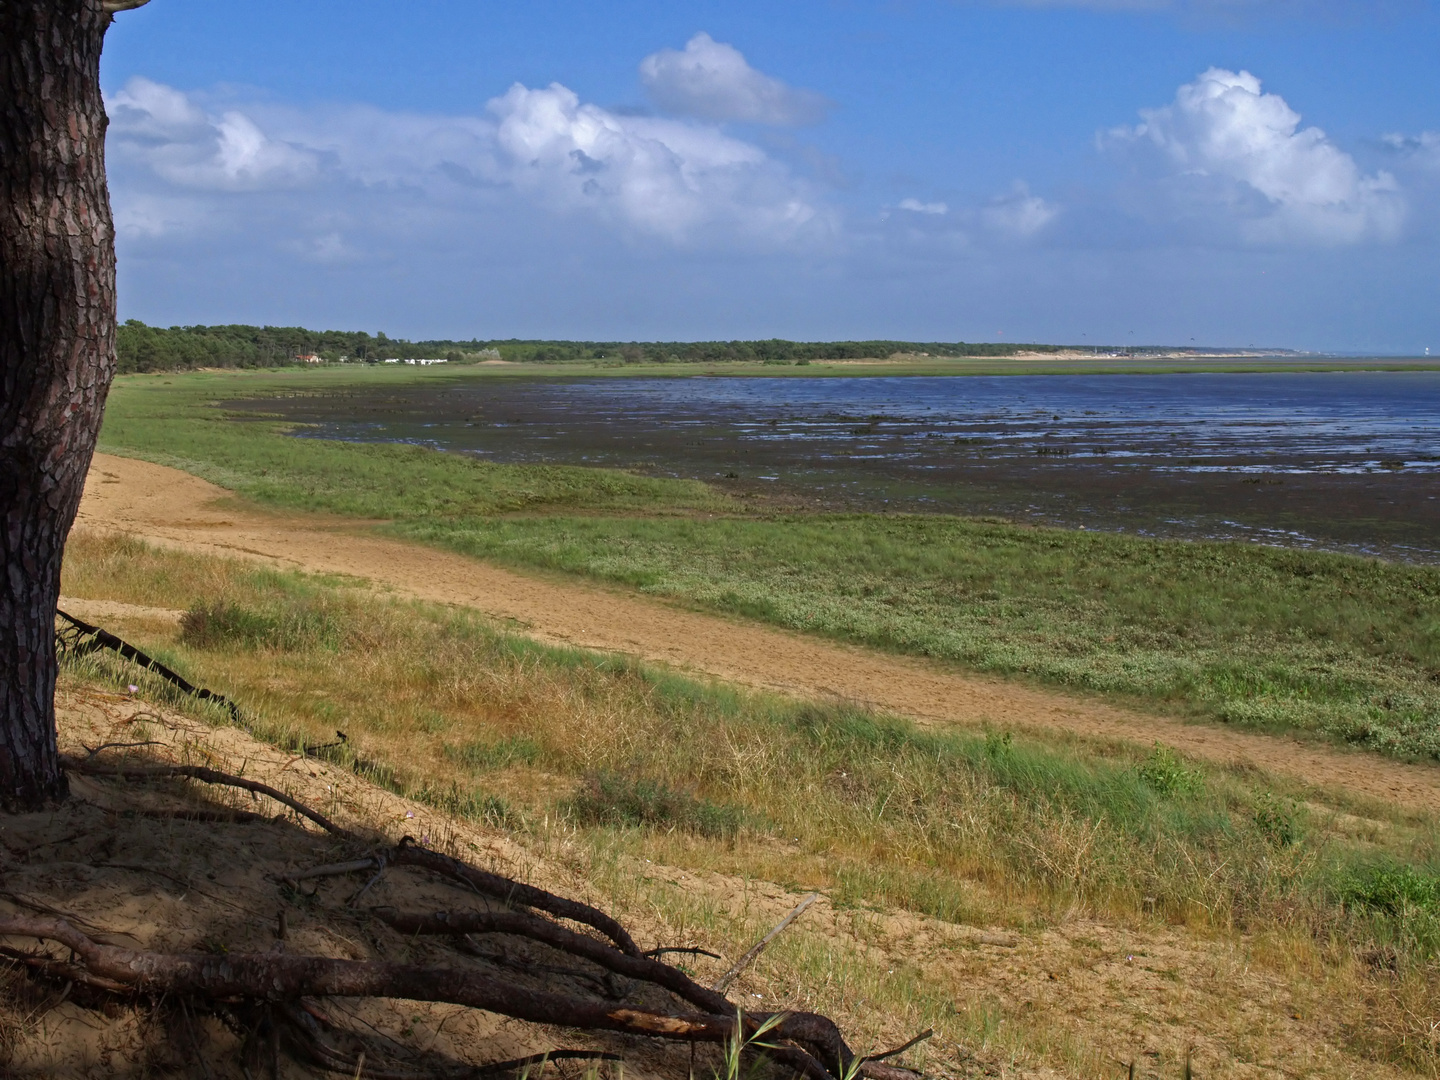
1345,460
1303,422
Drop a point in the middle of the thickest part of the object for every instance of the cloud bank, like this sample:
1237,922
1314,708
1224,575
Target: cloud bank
675,181
192,150
713,81
1227,151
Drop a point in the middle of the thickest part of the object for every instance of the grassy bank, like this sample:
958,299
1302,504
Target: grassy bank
885,817
1345,647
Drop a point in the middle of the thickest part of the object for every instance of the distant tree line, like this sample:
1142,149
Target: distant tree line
153,348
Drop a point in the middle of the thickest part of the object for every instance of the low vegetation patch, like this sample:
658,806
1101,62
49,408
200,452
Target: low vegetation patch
226,625
438,700
612,799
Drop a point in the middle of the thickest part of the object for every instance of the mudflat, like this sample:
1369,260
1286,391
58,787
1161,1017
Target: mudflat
171,508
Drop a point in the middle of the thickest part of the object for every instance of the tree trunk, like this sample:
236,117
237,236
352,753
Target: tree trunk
57,351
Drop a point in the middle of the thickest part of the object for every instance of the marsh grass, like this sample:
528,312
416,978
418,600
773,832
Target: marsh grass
255,456
623,764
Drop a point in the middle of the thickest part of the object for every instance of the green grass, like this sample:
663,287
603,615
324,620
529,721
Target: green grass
172,421
591,754
1267,638
438,703
1251,635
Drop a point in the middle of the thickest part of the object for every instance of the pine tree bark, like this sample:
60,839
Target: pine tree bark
57,351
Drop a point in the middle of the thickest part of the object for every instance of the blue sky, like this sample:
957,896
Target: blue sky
1156,171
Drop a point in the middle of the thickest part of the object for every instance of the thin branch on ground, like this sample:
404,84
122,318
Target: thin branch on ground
355,897
688,950
723,983
916,1041
91,753
73,639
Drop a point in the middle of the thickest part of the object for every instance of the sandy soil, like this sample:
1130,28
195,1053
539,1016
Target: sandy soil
172,508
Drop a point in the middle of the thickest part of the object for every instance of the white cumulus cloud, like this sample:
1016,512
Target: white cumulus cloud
665,177
682,182
915,206
1019,213
713,81
191,149
1241,153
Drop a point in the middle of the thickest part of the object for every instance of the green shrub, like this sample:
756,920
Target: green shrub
1393,889
1163,772
1277,821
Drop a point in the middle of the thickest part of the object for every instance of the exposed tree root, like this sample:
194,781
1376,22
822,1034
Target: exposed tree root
209,776
312,1037
409,853
635,994
805,1042
405,853
558,937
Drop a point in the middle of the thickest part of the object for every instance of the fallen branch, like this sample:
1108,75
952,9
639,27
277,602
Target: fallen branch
92,752
73,640
688,950
723,983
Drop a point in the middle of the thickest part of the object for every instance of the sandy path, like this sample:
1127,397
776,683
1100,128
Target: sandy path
175,509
